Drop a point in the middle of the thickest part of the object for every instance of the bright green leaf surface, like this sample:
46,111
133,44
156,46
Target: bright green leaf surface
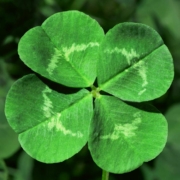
134,63
3,171
123,136
51,126
64,48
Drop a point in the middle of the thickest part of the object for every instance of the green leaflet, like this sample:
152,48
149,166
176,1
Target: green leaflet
124,135
51,126
64,48
3,171
134,63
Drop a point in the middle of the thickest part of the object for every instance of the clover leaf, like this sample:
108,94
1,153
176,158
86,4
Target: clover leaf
130,63
65,45
131,133
51,127
133,61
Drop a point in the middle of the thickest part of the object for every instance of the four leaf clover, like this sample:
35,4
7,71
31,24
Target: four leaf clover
131,64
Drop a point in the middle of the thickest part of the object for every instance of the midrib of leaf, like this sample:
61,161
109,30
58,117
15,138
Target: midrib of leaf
81,75
129,67
129,144
132,147
73,104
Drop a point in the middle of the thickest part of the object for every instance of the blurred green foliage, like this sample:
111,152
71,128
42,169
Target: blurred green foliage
8,138
166,165
16,17
3,170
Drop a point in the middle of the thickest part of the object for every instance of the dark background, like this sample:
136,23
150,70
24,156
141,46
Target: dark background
18,16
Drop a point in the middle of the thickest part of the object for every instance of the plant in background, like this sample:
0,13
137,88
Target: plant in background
131,64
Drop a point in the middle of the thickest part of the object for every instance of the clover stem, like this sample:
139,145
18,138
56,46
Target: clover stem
105,175
95,91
